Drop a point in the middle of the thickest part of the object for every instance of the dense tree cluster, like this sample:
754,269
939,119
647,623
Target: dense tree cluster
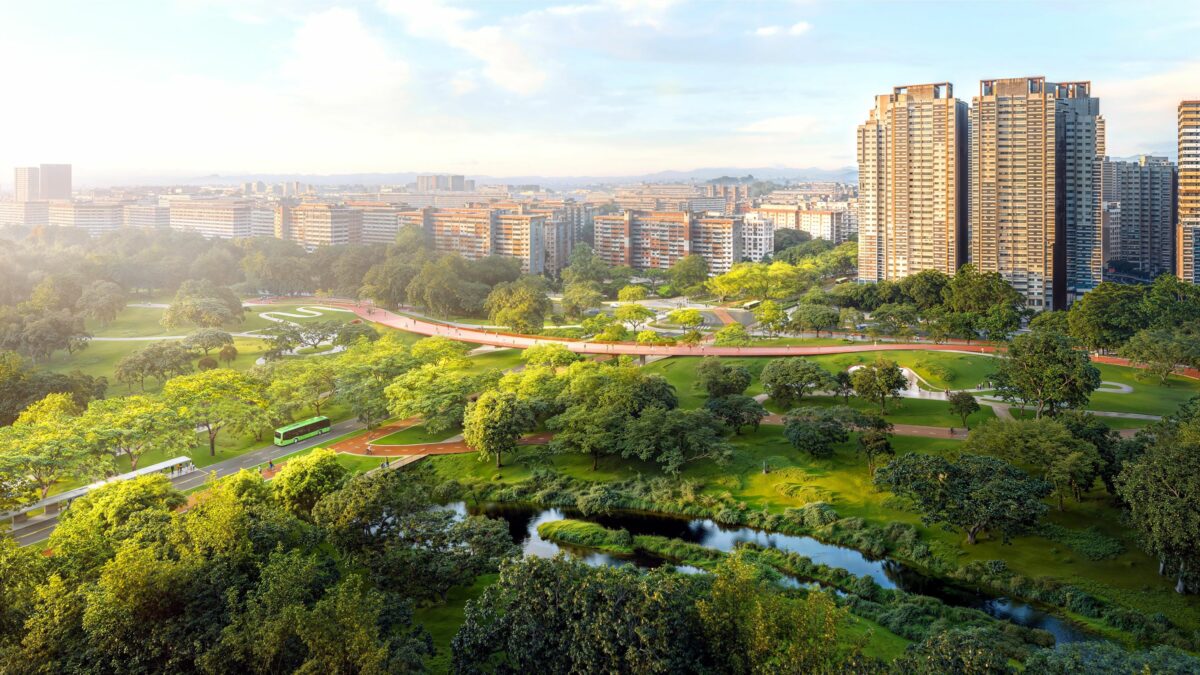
610,619
313,572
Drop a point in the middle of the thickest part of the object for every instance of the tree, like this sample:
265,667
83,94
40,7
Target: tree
228,354
382,522
787,380
690,270
521,305
549,354
1107,316
1162,491
732,335
494,422
687,318
672,438
436,394
101,302
203,303
1106,657
44,443
206,363
963,404
815,318
1044,370
737,411
1069,463
770,316
719,380
303,481
925,288
511,628
816,430
632,294
879,381
133,426
842,385
975,493
873,444
214,399
633,314
750,627
957,650
364,372
581,296
308,384
1161,351
354,331
970,290
207,339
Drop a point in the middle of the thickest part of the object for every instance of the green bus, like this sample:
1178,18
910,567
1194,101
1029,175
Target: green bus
294,433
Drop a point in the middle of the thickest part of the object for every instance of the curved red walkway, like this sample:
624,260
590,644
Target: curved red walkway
517,341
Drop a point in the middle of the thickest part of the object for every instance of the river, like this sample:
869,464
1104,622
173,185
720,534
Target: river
524,520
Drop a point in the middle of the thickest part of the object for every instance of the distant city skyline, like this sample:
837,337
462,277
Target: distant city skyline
603,87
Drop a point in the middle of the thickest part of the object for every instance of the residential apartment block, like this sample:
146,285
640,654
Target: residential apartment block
659,239
833,225
27,185
317,224
758,237
1035,208
476,233
912,194
1188,248
24,213
95,217
224,219
146,216
55,181
1139,207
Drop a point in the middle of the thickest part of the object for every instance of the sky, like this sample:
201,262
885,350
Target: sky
505,87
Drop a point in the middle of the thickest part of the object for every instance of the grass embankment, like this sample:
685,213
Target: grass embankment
442,621
741,492
415,434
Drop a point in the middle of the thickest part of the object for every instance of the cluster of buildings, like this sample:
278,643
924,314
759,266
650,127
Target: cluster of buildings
1019,183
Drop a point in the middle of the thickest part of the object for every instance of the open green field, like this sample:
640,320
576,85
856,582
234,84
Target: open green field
680,371
442,621
916,411
500,358
417,434
1149,396
1129,578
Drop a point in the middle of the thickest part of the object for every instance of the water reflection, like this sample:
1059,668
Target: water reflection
523,522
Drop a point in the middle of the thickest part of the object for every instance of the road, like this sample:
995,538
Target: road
36,530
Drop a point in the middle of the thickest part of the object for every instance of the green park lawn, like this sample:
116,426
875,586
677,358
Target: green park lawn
442,621
502,359
417,434
842,481
1149,395
915,411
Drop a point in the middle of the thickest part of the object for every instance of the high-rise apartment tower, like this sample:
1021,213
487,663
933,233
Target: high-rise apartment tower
1188,248
912,183
1034,183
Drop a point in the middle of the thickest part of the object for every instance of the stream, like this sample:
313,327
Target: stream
523,521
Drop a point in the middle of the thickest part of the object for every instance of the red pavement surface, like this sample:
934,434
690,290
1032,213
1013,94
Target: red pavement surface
724,315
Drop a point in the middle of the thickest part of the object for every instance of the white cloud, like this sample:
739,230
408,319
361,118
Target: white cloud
785,124
798,28
505,61
650,13
334,57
